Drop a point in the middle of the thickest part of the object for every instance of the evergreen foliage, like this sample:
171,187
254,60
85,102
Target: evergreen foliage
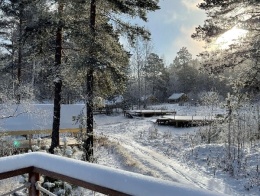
105,23
242,55
156,76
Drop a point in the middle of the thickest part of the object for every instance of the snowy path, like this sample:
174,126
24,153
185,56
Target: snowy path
170,169
161,165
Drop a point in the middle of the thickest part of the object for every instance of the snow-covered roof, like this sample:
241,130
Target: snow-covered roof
39,116
122,181
115,100
175,96
146,97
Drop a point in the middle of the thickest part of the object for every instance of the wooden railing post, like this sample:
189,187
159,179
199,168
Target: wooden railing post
33,178
30,140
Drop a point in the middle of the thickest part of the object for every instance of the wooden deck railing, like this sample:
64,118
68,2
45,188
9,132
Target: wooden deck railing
34,176
91,176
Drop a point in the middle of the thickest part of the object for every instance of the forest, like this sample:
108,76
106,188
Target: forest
70,52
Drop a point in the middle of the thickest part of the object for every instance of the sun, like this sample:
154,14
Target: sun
232,36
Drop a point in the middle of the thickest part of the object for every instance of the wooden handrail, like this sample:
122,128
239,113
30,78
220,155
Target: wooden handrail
78,182
34,177
91,176
17,172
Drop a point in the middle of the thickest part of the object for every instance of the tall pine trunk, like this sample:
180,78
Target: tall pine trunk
57,84
88,143
19,58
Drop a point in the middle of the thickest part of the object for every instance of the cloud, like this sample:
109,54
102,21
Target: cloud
184,40
194,46
172,26
171,17
191,5
168,14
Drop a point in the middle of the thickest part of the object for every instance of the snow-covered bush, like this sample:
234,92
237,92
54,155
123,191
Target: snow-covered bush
153,132
6,145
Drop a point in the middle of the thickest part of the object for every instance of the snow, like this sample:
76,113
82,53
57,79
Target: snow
39,117
115,100
149,153
188,117
165,152
175,96
123,181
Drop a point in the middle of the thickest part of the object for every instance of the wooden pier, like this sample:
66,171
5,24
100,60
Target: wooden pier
148,113
185,121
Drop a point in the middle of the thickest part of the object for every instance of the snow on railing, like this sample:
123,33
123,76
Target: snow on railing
91,176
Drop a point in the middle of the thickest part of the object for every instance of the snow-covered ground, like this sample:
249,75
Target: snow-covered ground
158,152
165,152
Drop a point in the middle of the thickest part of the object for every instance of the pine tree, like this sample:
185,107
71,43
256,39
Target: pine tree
156,75
242,55
183,58
185,73
57,81
101,13
87,38
22,41
14,19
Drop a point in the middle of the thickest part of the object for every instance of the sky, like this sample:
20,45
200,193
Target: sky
172,26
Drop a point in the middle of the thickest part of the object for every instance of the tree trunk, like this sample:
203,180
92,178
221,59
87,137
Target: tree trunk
229,128
139,82
258,121
57,85
19,60
88,143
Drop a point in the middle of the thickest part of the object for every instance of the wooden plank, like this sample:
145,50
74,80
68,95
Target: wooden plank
33,178
77,182
149,113
27,144
189,118
32,132
17,172
185,120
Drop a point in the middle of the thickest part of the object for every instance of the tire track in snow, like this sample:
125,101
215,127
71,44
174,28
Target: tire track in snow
150,158
167,168
162,164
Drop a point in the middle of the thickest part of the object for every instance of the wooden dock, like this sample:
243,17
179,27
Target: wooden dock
148,113
185,121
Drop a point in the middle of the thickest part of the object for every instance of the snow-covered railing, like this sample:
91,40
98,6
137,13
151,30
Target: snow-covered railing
91,176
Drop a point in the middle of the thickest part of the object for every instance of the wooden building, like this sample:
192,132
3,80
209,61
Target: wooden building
178,98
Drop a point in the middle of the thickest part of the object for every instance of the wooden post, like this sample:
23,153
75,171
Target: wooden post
33,178
30,140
